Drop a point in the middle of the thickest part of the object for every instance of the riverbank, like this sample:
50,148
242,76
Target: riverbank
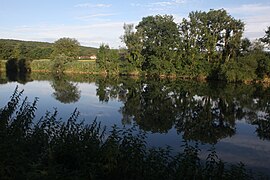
89,67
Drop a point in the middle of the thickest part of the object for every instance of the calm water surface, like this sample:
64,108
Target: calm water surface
232,117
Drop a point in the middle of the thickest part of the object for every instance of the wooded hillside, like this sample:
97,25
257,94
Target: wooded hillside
34,49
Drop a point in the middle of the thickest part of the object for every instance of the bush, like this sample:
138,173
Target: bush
59,63
242,70
263,68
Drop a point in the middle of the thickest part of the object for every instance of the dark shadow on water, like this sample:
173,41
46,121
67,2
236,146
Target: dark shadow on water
18,70
21,78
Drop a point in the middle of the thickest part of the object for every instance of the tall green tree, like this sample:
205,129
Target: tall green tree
214,34
134,46
107,59
103,57
190,31
67,46
160,42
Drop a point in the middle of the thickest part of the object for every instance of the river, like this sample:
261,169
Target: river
233,118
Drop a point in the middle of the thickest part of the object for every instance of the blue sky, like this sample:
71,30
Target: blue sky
93,22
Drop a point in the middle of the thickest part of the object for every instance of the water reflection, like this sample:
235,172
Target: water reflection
64,91
22,78
204,112
200,111
263,127
170,110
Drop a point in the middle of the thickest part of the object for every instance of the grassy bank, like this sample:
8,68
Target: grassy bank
91,67
2,65
45,65
77,66
53,149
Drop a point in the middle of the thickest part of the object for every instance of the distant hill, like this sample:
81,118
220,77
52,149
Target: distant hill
35,49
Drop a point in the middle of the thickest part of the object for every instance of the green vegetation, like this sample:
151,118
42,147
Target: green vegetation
207,45
66,46
52,149
59,62
82,67
43,65
33,50
107,60
25,49
75,66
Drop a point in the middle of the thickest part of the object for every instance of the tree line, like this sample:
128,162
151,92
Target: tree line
34,50
24,49
206,45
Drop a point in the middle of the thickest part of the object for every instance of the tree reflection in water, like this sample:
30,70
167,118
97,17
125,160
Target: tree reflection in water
202,112
65,91
20,77
263,124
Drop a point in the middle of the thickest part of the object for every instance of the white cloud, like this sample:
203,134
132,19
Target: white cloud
91,16
250,8
160,4
177,18
136,4
255,16
168,3
160,7
256,26
89,5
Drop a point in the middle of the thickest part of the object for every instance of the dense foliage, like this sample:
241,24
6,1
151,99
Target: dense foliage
33,50
25,49
66,46
206,45
53,149
107,60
